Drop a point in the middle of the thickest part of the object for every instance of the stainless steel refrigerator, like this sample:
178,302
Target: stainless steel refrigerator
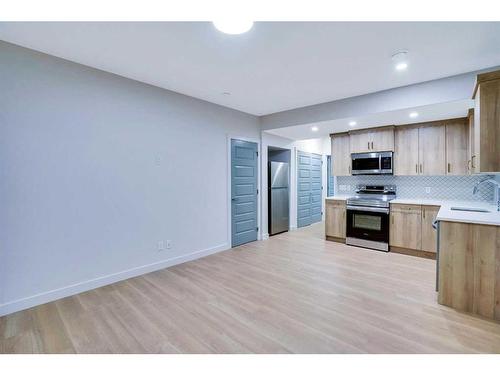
278,197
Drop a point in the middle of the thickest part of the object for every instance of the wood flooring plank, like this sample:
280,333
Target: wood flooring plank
293,293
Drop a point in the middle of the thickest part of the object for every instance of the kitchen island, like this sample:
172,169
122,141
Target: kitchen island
469,261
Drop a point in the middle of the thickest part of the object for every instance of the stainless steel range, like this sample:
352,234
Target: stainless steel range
368,216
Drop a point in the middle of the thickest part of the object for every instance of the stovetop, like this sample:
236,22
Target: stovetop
373,195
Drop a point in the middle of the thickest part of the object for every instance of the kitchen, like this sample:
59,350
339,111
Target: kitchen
463,235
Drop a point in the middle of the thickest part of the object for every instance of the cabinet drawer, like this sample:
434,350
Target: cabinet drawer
335,202
410,208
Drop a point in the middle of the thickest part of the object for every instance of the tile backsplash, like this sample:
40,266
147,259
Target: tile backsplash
445,187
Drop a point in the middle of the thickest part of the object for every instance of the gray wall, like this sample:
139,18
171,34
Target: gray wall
97,169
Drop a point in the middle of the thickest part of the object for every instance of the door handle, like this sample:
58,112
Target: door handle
372,145
472,161
368,145
421,169
416,168
468,165
449,168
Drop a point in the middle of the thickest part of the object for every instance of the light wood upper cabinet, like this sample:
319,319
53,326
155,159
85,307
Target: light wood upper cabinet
431,150
406,151
405,226
341,155
470,150
335,218
360,141
486,157
429,234
383,140
420,150
380,139
456,147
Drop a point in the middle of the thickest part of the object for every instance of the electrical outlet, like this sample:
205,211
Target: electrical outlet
169,244
161,245
428,189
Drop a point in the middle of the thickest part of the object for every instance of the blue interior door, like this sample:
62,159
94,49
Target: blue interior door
329,183
309,188
243,192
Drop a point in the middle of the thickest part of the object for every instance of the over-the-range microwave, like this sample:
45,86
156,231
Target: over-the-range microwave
372,163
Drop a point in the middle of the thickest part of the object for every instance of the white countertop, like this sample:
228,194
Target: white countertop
339,198
488,218
445,213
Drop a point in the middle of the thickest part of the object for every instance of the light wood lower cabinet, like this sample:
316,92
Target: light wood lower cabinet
429,234
335,219
469,268
411,228
405,227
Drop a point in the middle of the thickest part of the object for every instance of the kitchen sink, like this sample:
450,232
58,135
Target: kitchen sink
470,209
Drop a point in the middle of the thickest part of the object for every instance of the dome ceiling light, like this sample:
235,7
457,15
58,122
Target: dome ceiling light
233,26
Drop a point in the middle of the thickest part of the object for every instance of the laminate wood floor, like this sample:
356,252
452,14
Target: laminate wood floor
294,293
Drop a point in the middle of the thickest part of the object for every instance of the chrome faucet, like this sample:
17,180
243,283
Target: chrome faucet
497,190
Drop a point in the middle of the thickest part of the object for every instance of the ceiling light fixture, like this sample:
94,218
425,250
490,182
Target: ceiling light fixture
400,60
233,26
314,128
414,114
352,123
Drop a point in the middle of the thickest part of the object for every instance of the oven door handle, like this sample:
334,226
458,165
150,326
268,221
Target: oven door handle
370,209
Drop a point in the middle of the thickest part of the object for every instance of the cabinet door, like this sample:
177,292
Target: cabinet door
361,141
470,118
487,127
335,220
429,234
456,147
405,227
341,155
432,156
406,151
382,140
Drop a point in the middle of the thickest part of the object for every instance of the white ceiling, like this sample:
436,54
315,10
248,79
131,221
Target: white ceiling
274,67
434,112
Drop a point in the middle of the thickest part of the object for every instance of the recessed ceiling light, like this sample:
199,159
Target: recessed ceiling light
352,123
233,26
413,114
226,93
400,60
314,128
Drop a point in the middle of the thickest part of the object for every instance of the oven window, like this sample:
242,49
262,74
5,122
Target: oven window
365,164
369,222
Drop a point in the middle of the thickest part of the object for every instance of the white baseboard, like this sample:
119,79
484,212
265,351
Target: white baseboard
55,294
